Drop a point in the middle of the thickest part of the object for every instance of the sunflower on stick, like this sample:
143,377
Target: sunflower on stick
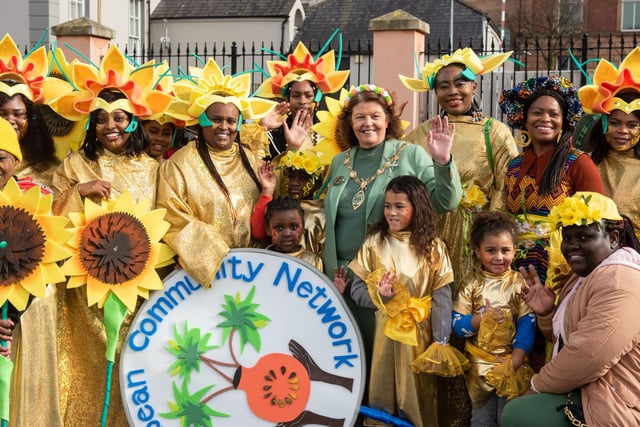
32,242
115,251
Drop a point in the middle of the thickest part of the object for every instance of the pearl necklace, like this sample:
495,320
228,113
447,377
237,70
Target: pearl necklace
360,196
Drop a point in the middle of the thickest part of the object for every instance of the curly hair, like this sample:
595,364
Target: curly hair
598,140
137,143
37,146
279,204
423,227
491,223
346,137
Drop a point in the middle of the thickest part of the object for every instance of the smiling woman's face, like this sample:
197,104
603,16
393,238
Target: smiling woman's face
454,92
586,246
224,117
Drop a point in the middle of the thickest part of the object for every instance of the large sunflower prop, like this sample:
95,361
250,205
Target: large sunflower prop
116,250
31,243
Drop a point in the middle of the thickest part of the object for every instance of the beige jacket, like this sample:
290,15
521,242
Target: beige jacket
601,353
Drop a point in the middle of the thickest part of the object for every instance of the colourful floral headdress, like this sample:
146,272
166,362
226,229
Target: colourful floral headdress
354,90
177,112
474,66
116,72
215,87
512,101
308,161
29,72
608,81
584,208
302,66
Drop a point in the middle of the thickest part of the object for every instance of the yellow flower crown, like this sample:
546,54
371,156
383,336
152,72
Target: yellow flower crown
307,161
214,87
301,66
583,208
609,80
474,66
29,73
118,73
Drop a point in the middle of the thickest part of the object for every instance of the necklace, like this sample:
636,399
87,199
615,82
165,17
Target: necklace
360,196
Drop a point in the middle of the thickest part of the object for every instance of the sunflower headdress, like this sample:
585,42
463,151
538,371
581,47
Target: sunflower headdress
584,208
213,86
29,74
474,66
177,112
512,101
118,73
302,66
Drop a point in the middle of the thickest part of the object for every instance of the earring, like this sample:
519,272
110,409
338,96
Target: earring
522,138
559,137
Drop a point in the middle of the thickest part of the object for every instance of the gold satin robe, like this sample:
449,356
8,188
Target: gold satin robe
314,222
502,291
136,174
392,384
79,337
620,172
203,227
469,151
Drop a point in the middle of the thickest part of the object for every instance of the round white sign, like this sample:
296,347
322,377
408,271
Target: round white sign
270,343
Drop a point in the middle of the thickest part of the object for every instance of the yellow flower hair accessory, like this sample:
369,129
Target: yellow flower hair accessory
215,87
467,57
609,80
28,73
302,66
307,161
584,208
32,242
328,147
116,72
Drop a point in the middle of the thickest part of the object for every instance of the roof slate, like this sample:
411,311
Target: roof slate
352,18
221,8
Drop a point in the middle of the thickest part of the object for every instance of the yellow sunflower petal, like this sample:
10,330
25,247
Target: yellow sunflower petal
55,252
92,210
161,255
51,273
19,297
11,193
128,294
155,225
73,266
76,281
53,225
96,290
33,283
77,218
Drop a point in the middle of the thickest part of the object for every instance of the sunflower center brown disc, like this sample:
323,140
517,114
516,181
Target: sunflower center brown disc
115,248
21,245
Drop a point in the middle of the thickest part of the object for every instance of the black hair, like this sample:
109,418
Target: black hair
552,174
626,230
136,144
491,223
280,204
37,146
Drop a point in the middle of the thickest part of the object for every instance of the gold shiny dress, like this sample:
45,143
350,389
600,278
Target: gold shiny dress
204,226
304,255
470,153
620,172
493,340
393,386
38,174
72,348
314,221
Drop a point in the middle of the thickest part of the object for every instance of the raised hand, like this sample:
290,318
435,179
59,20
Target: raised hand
537,296
300,128
440,139
267,178
341,278
275,117
385,285
398,107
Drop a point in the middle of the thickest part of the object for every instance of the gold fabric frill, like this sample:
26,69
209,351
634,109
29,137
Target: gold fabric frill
620,172
507,382
137,174
494,340
314,222
393,386
441,359
203,227
255,136
469,151
306,256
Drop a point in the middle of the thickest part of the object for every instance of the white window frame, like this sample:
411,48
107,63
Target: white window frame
135,26
76,9
630,7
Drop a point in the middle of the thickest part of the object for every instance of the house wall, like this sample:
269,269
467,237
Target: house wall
14,22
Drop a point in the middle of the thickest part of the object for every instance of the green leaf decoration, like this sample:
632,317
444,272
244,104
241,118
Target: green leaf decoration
241,316
187,348
188,408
